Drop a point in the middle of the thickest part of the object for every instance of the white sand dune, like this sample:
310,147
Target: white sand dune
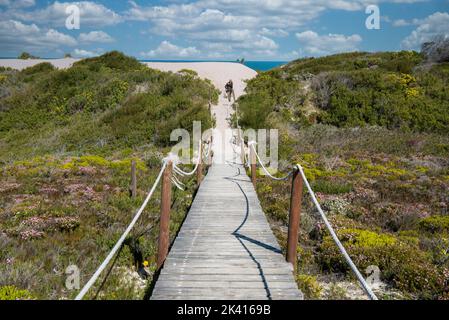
219,73
20,64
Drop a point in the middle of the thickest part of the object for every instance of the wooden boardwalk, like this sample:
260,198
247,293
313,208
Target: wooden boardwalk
225,249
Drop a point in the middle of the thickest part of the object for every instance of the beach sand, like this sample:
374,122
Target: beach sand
219,73
20,64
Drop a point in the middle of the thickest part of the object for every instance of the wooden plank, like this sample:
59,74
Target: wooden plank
225,248
242,278
230,270
227,294
259,284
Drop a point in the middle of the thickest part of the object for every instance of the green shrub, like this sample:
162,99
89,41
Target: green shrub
26,55
254,110
435,224
114,60
309,286
402,264
331,187
353,90
94,106
189,72
38,68
13,293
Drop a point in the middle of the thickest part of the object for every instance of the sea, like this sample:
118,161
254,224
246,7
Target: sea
255,65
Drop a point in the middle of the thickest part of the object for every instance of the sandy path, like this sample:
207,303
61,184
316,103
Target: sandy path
219,73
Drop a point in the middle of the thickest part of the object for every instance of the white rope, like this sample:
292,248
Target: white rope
177,183
119,243
177,180
265,169
334,236
183,173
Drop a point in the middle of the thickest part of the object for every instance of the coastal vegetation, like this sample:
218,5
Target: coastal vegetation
26,56
67,140
372,133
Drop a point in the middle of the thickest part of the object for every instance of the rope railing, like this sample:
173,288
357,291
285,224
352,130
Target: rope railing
334,236
168,176
295,209
119,243
184,173
265,169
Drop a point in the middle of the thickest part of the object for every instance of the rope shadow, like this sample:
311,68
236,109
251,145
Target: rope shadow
241,237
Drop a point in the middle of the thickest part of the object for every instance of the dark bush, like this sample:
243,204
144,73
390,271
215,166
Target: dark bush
38,68
113,60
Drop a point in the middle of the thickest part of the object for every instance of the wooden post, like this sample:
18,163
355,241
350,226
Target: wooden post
253,164
133,187
294,218
199,172
164,224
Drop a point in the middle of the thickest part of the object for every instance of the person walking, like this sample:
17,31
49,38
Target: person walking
229,87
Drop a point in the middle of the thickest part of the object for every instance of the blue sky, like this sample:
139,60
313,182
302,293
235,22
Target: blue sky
217,29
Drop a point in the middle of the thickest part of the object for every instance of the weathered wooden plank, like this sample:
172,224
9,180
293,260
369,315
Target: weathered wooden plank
227,294
242,278
216,262
262,285
225,248
213,297
248,269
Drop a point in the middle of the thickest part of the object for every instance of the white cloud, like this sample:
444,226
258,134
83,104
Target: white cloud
433,25
401,23
316,45
292,55
241,24
406,23
17,36
95,37
81,53
274,32
17,3
91,13
232,26
169,50
271,14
